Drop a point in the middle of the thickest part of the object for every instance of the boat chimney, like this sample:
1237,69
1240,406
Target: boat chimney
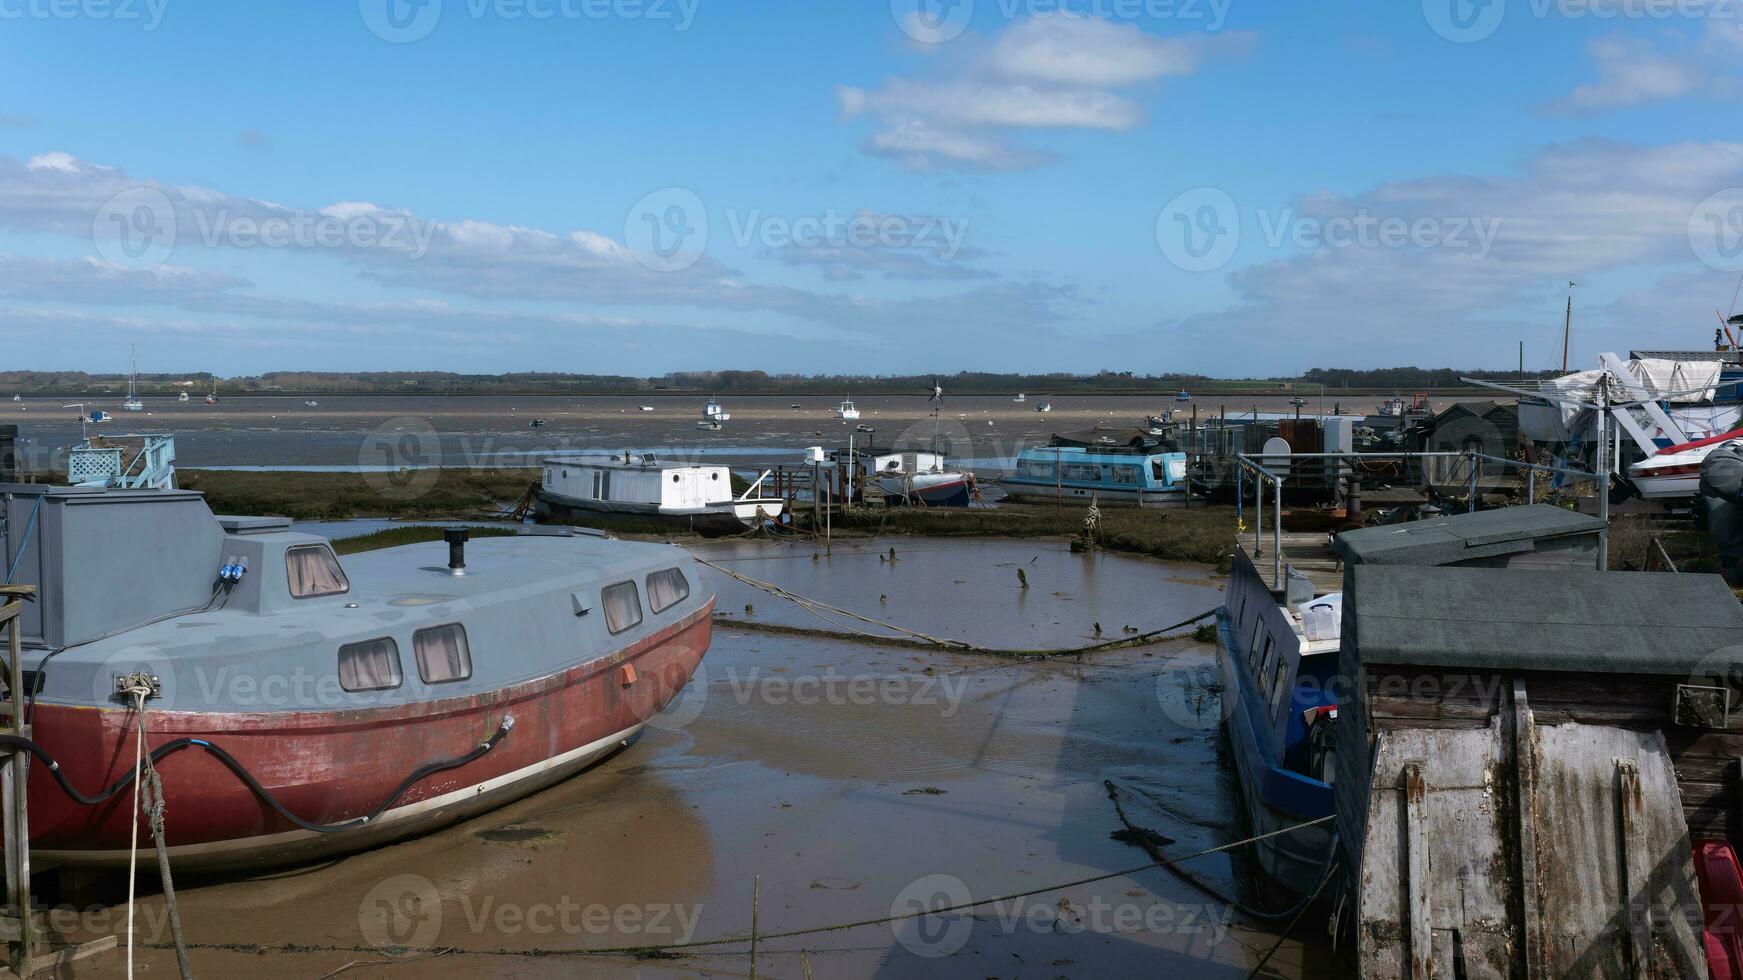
456,538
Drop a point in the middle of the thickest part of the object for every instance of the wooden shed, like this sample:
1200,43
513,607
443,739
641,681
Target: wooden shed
1525,759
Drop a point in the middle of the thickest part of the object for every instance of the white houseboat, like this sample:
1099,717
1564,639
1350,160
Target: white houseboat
699,498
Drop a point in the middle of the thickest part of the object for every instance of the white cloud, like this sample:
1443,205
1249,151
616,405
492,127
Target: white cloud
1635,71
1051,72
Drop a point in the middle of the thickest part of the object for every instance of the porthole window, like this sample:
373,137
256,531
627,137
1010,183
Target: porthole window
312,571
674,478
666,588
372,665
442,653
623,606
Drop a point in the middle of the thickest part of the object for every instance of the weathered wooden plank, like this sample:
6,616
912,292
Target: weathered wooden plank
1417,875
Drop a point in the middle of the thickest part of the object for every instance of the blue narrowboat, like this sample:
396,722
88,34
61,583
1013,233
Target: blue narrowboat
1278,663
1113,476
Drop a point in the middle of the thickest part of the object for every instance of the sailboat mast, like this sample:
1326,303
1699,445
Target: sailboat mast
1567,325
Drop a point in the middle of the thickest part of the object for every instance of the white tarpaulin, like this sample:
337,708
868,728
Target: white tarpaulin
1661,379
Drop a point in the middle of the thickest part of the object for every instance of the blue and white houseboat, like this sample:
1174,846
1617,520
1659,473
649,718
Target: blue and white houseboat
1121,476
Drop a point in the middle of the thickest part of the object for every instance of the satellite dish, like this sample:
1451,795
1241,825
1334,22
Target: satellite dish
1275,455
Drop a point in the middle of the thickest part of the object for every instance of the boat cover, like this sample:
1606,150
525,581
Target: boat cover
1722,496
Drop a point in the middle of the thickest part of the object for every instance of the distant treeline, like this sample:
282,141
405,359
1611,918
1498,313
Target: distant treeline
737,382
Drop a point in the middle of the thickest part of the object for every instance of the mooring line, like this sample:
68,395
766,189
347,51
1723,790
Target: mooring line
763,937
907,636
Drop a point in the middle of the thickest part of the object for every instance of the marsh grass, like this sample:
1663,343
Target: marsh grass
307,496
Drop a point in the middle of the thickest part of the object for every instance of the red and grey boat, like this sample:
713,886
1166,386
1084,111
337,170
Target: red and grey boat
297,705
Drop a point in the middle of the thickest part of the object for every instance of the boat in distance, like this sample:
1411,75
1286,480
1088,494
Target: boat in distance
696,498
298,707
1112,476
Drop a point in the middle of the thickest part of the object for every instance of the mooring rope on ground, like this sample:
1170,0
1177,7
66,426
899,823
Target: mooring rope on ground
912,637
763,937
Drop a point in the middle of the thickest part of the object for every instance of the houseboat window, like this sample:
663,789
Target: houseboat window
1124,474
1034,469
1277,686
1083,472
1253,646
372,665
674,478
601,484
666,588
312,571
623,606
1156,471
1265,661
442,653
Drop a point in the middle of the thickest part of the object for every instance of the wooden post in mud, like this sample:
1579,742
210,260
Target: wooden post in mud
816,496
756,901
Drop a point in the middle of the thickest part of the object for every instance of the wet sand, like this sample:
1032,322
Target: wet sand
852,780
352,431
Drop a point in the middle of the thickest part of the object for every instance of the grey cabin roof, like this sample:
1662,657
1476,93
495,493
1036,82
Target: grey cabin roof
1607,622
1461,537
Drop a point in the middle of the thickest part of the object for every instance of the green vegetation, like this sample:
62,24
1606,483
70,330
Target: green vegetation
308,496
393,537
1196,534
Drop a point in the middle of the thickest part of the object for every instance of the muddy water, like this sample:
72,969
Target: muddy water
819,782
350,431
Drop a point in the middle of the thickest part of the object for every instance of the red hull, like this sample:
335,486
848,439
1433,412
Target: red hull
331,766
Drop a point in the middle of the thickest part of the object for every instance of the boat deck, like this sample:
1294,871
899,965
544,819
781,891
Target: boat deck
1308,552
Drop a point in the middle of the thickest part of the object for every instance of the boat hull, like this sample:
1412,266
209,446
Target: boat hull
936,491
332,766
1035,493
730,517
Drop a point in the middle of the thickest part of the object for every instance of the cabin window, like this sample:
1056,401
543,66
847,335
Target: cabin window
1083,472
1277,686
623,606
443,654
1034,469
1157,473
312,571
372,665
1124,474
1265,661
601,484
674,478
666,588
1253,645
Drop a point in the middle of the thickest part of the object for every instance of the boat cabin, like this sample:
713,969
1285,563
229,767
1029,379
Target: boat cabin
636,479
1114,475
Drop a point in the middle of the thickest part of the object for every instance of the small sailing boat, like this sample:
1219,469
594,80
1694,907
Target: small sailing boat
715,412
846,412
645,408
212,399
1020,398
1182,396
133,404
182,397
1044,406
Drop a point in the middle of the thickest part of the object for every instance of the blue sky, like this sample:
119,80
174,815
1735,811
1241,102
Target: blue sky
1233,188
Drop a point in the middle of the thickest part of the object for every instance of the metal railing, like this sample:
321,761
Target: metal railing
1257,466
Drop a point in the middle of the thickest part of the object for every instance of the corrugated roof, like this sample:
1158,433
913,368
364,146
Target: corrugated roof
1610,622
1461,537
